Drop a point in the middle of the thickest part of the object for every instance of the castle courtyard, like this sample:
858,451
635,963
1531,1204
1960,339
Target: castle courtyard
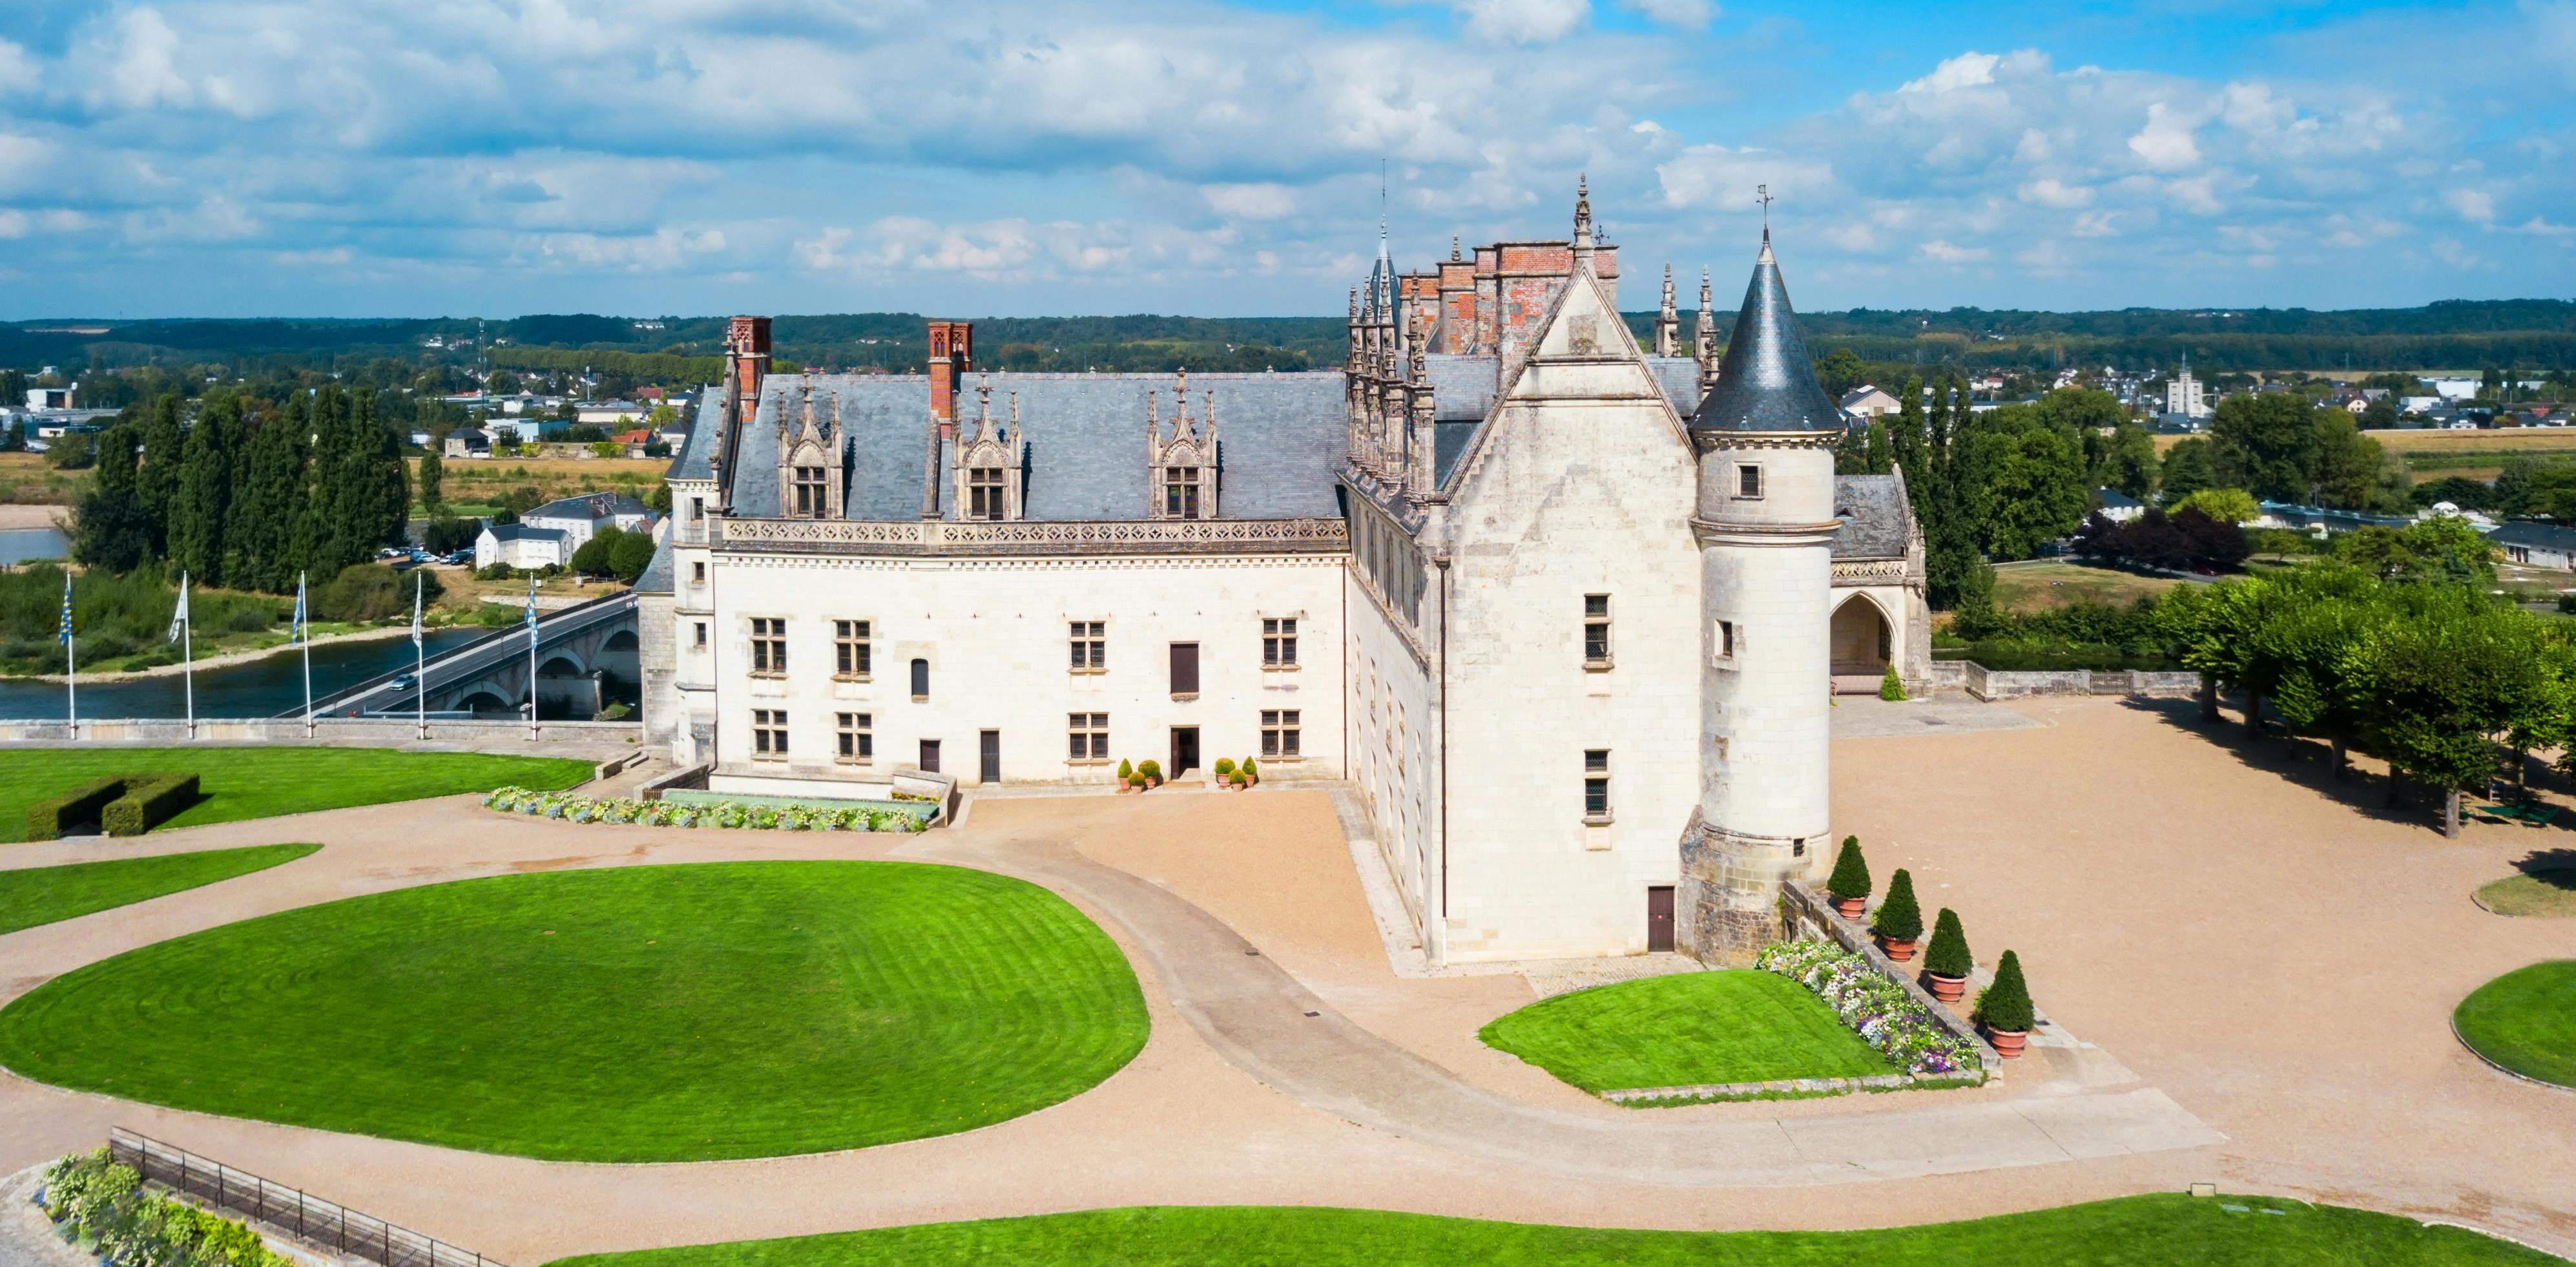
2250,970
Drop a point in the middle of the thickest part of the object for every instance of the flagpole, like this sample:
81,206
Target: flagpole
532,658
304,634
71,665
420,658
188,655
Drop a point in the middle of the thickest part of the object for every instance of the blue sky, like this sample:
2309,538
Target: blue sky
495,157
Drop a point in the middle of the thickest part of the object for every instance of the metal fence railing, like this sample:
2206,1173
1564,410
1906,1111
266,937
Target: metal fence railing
319,1223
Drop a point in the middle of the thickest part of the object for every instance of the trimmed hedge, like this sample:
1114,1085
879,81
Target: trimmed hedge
149,801
1851,872
48,819
2005,1005
1948,955
1900,918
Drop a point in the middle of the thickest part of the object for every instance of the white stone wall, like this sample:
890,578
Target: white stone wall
995,634
1766,746
1392,701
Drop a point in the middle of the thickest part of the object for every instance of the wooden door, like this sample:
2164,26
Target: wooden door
1185,668
992,769
1659,917
930,756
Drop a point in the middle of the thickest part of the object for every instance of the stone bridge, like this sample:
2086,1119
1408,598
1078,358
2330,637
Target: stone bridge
584,654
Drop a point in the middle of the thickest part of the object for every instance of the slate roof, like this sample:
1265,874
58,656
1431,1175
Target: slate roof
657,574
1874,515
522,532
1280,441
592,506
2524,532
1767,383
2114,499
690,461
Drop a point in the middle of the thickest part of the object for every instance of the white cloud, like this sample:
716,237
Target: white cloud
1948,253
1522,21
1967,70
1713,176
1690,15
1258,201
2474,205
2053,193
2165,143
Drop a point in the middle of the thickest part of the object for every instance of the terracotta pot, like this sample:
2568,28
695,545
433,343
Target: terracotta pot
2008,1042
1850,907
1946,989
1900,951
1125,787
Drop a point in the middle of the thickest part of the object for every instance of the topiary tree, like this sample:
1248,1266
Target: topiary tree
1224,767
1250,769
2005,1005
1890,688
1851,872
1126,772
1899,918
1152,769
1948,955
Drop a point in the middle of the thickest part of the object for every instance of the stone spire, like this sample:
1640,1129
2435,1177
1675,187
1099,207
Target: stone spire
1767,382
1668,321
1582,223
1704,339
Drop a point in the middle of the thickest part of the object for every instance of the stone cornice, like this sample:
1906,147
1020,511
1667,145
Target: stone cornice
1710,532
1030,537
1712,441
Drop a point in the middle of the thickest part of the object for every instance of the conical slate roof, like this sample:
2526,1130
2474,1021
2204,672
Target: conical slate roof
1767,381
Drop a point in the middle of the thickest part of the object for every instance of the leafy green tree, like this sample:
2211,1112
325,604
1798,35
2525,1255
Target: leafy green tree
2190,466
202,500
2267,444
2228,505
659,499
1840,371
1907,441
2081,409
593,558
2123,459
2434,688
2348,463
2443,550
264,528
13,388
109,530
2029,488
433,478
157,476
631,555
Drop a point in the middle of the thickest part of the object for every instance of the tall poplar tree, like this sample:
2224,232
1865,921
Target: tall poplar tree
203,497
158,475
109,531
264,527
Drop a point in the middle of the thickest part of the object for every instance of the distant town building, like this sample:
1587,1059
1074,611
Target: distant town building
2536,544
2118,507
2183,396
1866,404
468,442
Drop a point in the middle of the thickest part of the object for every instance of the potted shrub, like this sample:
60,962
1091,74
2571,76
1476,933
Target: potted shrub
1251,771
1849,886
1126,778
1890,688
1899,920
1151,772
2004,1008
1946,962
1242,782
1224,773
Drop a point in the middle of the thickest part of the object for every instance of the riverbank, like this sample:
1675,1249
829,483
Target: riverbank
14,515
221,659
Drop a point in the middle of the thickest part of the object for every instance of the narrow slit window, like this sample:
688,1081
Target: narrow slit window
1596,783
1596,629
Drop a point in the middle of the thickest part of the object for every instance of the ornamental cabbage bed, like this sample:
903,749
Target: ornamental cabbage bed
1879,1010
576,808
104,1203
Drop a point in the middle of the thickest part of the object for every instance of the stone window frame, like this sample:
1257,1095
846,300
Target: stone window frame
702,635
1086,646
769,734
1086,738
1596,787
768,646
984,494
1279,641
1282,734
1726,643
1748,481
812,486
853,649
857,739
1597,656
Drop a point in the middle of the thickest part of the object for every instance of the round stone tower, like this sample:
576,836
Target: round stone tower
1764,435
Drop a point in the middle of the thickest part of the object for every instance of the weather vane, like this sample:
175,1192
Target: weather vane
1762,194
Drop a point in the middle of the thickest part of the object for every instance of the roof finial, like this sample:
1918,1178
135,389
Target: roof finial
1454,256
1762,194
1582,209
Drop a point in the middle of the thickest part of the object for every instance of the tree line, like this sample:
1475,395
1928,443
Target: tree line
252,495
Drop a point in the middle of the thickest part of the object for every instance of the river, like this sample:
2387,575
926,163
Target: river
26,545
264,687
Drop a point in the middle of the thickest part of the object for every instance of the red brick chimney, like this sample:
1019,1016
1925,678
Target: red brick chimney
952,357
747,347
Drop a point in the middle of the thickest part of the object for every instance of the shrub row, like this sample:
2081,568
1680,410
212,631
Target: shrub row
48,819
149,801
1876,1008
576,808
105,1205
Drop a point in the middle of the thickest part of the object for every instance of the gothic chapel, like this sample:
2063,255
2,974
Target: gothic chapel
1566,612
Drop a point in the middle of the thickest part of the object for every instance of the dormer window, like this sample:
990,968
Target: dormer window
1180,492
990,457
810,498
810,460
984,493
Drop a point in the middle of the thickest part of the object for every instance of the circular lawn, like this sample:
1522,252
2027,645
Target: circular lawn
2525,1021
649,1013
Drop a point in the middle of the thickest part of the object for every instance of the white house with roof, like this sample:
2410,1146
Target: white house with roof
1566,612
551,533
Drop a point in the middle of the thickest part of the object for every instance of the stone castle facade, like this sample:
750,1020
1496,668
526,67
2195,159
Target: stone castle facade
1565,609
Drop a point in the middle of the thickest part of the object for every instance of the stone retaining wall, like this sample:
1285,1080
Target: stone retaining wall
1787,1086
1994,684
1807,915
371,732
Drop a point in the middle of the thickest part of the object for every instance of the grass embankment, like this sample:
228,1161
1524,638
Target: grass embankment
1687,1029
2037,587
239,783
43,895
650,1013
25,477
2525,1021
481,482
2125,1232
2544,893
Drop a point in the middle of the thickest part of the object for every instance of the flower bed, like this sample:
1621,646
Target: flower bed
1878,1009
104,1205
576,808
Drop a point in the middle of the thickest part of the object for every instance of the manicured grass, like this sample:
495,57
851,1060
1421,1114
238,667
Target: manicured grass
2525,1021
2128,1232
653,1013
2543,894
42,895
240,783
2037,587
1685,1030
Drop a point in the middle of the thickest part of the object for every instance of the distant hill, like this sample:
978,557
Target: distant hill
2524,333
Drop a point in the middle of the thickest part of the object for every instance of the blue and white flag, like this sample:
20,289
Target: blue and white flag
297,631
179,618
65,637
415,611
532,602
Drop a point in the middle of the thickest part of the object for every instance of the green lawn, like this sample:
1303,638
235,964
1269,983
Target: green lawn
2546,893
1684,1030
40,895
2128,1232
242,783
651,1013
2525,1021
